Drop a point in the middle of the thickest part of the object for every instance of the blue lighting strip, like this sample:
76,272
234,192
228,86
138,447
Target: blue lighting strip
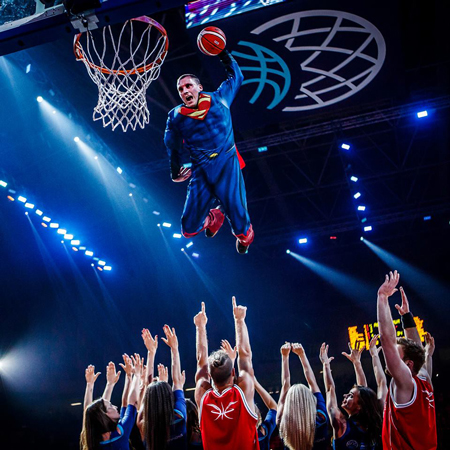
201,12
47,222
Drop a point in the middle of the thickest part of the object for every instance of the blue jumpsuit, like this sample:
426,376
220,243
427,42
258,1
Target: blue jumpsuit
209,145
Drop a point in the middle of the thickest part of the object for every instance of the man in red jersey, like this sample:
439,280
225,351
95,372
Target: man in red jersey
409,421
226,407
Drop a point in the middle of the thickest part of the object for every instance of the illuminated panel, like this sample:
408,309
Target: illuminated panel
203,12
362,339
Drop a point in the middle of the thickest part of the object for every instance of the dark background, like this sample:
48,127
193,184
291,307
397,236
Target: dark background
59,314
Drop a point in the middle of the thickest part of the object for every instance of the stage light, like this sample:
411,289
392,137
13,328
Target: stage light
95,157
166,224
189,244
83,248
96,259
101,263
39,212
368,228
333,238
89,253
92,264
354,179
3,183
361,238
130,195
54,225
46,219
29,205
303,240
26,213
421,114
62,242
28,68
61,231
44,225
107,268
156,213
262,149
288,252
158,225
74,249
21,199
345,146
39,99
119,170
68,237
11,199
177,235
132,185
364,219
357,195
182,249
427,218
75,242
195,255
76,139
75,404
11,191
361,208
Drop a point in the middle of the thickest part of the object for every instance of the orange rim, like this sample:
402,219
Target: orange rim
79,53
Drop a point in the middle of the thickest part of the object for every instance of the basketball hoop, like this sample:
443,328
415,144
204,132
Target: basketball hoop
122,81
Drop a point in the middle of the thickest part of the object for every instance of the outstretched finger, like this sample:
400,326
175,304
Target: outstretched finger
233,299
203,308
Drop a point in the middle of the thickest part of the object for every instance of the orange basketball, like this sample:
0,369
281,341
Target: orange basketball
211,41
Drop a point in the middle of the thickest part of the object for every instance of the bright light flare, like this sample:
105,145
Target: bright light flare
345,146
303,240
421,114
39,99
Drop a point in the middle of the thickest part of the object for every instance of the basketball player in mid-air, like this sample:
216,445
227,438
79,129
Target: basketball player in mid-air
200,142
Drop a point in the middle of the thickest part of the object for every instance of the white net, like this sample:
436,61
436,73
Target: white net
123,63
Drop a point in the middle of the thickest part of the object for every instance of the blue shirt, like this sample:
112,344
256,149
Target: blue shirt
119,440
354,438
269,425
321,438
178,431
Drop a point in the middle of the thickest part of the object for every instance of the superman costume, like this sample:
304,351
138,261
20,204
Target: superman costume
203,137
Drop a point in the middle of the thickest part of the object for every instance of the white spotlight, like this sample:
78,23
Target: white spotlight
119,170
68,237
46,219
62,231
368,228
345,146
39,212
166,224
54,225
189,244
76,139
361,208
39,99
303,240
89,253
288,252
75,242
177,235
3,183
107,267
357,195
21,199
354,179
29,205
101,263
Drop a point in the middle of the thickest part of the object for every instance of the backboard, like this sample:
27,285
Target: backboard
28,25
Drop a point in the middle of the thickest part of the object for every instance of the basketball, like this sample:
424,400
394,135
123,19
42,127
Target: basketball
211,41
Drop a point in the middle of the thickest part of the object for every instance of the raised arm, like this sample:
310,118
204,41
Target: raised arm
229,350
133,396
355,357
285,379
397,368
128,369
171,340
309,374
91,377
408,323
242,339
111,379
429,350
151,344
338,421
378,371
265,396
202,375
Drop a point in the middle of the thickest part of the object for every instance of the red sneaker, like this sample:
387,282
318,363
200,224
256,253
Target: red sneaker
215,221
243,241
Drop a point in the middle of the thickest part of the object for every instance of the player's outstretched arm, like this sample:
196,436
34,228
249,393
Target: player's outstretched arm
398,369
307,370
355,357
378,371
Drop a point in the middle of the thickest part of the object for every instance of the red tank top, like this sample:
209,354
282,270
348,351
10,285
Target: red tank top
411,426
227,422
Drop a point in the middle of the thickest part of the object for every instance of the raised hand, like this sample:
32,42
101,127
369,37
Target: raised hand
163,373
404,309
239,311
111,376
138,364
373,350
228,349
90,374
355,353
389,286
150,343
429,344
298,349
200,320
285,349
127,366
323,355
171,337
